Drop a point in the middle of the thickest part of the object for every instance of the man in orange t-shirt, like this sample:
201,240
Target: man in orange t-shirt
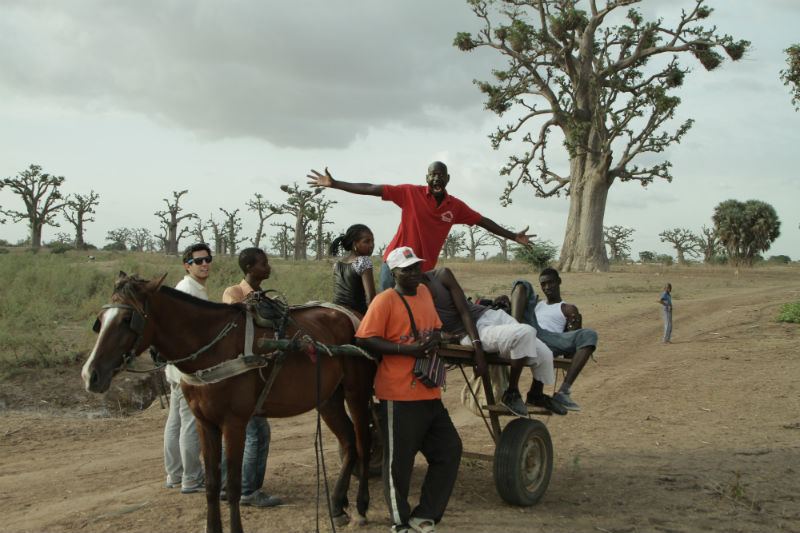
413,416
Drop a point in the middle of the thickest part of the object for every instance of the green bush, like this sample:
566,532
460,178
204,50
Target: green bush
779,260
4,250
789,313
539,256
60,248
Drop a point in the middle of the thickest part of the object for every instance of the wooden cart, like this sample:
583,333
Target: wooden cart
523,457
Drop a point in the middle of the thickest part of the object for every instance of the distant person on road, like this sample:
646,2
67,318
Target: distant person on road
666,303
353,282
181,440
559,326
428,213
255,266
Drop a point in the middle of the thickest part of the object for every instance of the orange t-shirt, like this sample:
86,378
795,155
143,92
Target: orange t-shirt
387,317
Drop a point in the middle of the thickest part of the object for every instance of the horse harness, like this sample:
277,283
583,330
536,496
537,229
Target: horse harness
266,312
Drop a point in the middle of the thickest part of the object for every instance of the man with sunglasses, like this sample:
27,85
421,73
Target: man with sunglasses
181,440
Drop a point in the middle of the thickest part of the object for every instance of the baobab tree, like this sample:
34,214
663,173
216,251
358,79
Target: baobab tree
78,210
618,240
42,197
264,210
683,240
170,222
603,90
477,238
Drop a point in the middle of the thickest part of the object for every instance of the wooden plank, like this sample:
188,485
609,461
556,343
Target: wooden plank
460,354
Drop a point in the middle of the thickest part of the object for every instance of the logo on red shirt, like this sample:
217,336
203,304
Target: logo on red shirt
447,216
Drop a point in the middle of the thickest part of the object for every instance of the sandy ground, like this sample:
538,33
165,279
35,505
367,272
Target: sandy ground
700,435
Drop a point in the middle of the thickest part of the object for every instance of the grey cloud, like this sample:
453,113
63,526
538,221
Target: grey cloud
312,75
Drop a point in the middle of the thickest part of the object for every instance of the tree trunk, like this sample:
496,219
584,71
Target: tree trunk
79,244
36,234
583,249
299,239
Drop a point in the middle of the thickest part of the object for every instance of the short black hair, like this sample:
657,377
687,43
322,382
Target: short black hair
187,254
549,272
248,257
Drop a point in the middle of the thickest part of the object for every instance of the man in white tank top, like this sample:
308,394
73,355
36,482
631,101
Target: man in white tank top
560,327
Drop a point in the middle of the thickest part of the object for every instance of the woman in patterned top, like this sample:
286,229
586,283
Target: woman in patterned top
353,284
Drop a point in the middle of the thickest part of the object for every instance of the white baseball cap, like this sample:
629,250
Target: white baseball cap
401,258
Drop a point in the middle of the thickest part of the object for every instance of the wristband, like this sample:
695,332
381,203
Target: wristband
475,341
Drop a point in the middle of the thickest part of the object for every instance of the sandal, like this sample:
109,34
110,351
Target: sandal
422,525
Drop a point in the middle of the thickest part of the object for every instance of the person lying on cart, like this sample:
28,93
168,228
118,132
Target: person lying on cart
497,331
560,327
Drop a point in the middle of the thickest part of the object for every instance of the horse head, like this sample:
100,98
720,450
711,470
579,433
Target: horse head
122,331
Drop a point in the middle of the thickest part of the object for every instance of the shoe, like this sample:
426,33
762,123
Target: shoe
426,525
260,499
173,482
565,400
200,487
223,495
400,529
547,402
513,401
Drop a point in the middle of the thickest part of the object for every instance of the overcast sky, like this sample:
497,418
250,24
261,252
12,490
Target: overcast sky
135,100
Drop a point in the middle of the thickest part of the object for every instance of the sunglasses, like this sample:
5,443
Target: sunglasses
200,260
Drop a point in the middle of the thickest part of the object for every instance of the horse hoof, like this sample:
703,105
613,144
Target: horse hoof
360,520
341,520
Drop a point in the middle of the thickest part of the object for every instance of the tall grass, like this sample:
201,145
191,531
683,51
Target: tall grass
48,302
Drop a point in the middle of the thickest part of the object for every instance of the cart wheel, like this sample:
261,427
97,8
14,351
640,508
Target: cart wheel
523,462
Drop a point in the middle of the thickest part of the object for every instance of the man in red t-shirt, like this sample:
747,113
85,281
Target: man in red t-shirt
413,417
428,213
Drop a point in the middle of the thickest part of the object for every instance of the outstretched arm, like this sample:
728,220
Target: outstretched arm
326,180
445,277
521,237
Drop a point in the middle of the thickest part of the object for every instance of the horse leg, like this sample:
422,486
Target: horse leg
211,442
359,406
234,451
335,417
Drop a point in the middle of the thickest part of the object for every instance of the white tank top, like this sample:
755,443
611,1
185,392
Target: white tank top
550,316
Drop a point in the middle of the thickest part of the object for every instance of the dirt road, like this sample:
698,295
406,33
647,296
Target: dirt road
700,435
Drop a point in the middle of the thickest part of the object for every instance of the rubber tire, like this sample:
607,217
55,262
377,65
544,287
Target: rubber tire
523,462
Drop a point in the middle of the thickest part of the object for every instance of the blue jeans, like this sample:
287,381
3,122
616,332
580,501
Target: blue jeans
385,279
667,324
254,461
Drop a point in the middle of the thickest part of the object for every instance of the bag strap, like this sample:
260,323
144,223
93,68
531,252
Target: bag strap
410,316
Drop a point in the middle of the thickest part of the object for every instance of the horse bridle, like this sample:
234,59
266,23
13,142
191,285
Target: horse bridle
136,324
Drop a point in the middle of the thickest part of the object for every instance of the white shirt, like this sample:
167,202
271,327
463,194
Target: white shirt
550,316
190,286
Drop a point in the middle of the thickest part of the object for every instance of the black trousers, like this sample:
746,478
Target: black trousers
408,428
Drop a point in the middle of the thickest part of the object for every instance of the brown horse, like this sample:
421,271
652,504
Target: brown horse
201,334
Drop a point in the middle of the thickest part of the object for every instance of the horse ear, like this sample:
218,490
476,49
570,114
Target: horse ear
153,285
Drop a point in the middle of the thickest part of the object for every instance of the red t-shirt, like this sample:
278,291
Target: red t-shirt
423,224
387,318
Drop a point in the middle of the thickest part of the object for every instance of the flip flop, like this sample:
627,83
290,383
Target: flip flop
422,525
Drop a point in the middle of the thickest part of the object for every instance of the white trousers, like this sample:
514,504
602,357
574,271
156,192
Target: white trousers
501,333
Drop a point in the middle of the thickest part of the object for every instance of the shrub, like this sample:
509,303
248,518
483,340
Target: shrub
665,259
789,313
4,250
60,248
539,256
779,260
